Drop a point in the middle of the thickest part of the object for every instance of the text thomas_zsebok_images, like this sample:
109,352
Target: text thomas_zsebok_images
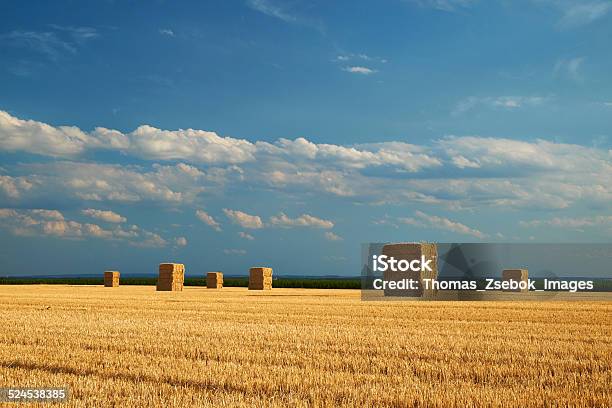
384,263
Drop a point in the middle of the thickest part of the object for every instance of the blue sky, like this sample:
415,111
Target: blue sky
229,134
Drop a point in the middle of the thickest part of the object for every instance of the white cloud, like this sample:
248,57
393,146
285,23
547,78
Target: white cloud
330,236
577,223
166,31
40,138
487,152
574,13
201,147
463,163
196,146
48,214
180,241
52,223
512,102
55,43
424,220
46,43
359,70
287,12
245,235
148,240
304,220
128,184
104,215
13,187
456,172
404,156
207,219
243,219
507,103
570,68
579,13
79,34
272,9
359,56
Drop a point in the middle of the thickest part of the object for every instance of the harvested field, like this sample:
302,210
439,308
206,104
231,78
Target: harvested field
133,346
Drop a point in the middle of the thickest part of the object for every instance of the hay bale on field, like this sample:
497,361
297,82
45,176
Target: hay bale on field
518,275
214,280
171,277
260,278
410,251
111,279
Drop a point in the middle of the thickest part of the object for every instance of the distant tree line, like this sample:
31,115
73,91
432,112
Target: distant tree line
306,283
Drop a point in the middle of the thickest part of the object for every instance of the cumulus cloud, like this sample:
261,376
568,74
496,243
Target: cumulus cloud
304,220
104,215
180,241
424,220
197,146
115,183
404,156
457,172
48,214
40,138
202,147
481,152
13,187
243,219
359,70
146,141
475,172
166,31
245,235
52,223
330,236
208,220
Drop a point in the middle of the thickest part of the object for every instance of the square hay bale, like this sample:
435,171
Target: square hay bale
214,280
170,286
111,279
171,277
518,275
409,251
171,267
260,278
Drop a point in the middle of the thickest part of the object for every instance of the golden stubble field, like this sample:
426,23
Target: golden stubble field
132,346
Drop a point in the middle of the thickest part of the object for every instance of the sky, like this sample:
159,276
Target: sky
231,134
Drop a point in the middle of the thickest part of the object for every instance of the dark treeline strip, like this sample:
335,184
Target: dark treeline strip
349,283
